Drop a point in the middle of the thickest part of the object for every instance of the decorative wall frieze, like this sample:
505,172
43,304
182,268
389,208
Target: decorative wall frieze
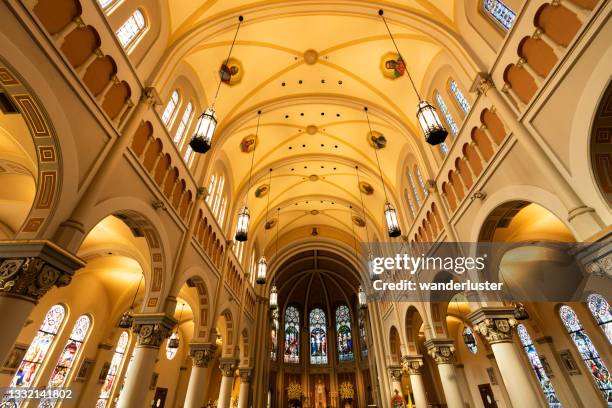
28,269
152,328
228,366
202,353
412,364
441,350
494,324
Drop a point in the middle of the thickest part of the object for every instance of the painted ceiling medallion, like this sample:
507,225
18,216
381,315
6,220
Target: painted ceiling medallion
311,56
271,223
262,190
314,212
311,129
232,72
249,143
377,140
313,177
392,65
358,221
366,188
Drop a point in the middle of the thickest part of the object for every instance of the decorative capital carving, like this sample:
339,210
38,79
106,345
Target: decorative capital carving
494,323
412,364
29,269
202,353
396,373
245,374
482,83
152,328
150,97
441,350
228,367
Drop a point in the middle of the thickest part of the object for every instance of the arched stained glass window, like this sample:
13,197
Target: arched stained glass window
447,115
472,346
459,97
414,190
536,364
318,336
409,199
344,333
600,309
444,148
113,371
184,123
131,29
35,356
292,335
170,108
587,351
417,171
499,12
69,355
211,190
363,338
274,334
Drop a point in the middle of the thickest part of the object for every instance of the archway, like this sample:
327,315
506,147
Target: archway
601,146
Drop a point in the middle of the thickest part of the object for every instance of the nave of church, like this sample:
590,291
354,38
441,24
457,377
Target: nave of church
198,200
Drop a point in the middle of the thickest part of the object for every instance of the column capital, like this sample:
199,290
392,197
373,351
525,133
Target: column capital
441,350
494,323
28,269
152,328
228,366
412,364
150,97
482,83
202,353
245,374
395,372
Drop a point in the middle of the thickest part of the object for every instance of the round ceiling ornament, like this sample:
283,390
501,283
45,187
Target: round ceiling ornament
311,129
392,66
249,143
313,177
366,188
377,140
262,190
271,223
358,221
311,56
231,73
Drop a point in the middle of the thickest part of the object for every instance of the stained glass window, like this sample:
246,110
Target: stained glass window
343,331
444,148
473,347
459,97
292,335
417,171
184,123
601,312
536,364
409,199
274,334
188,155
131,29
115,366
71,351
414,190
211,190
363,339
587,351
318,336
499,12
170,109
34,357
447,115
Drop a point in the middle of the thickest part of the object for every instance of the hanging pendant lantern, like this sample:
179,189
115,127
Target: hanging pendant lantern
520,312
393,228
468,337
371,266
204,131
242,228
431,125
173,342
126,320
262,270
273,298
363,302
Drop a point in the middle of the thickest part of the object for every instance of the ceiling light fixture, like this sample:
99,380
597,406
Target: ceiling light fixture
370,253
242,227
273,292
201,140
127,318
173,341
393,228
429,121
262,265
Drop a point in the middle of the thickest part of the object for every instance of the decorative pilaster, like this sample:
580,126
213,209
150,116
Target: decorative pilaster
441,350
202,353
29,269
494,324
152,328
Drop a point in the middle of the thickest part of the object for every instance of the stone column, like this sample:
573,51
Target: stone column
442,351
413,365
395,373
201,355
28,269
228,369
152,329
495,325
245,383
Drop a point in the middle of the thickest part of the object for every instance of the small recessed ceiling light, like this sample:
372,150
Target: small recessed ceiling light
290,147
302,114
286,116
336,146
300,82
303,145
283,84
340,82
